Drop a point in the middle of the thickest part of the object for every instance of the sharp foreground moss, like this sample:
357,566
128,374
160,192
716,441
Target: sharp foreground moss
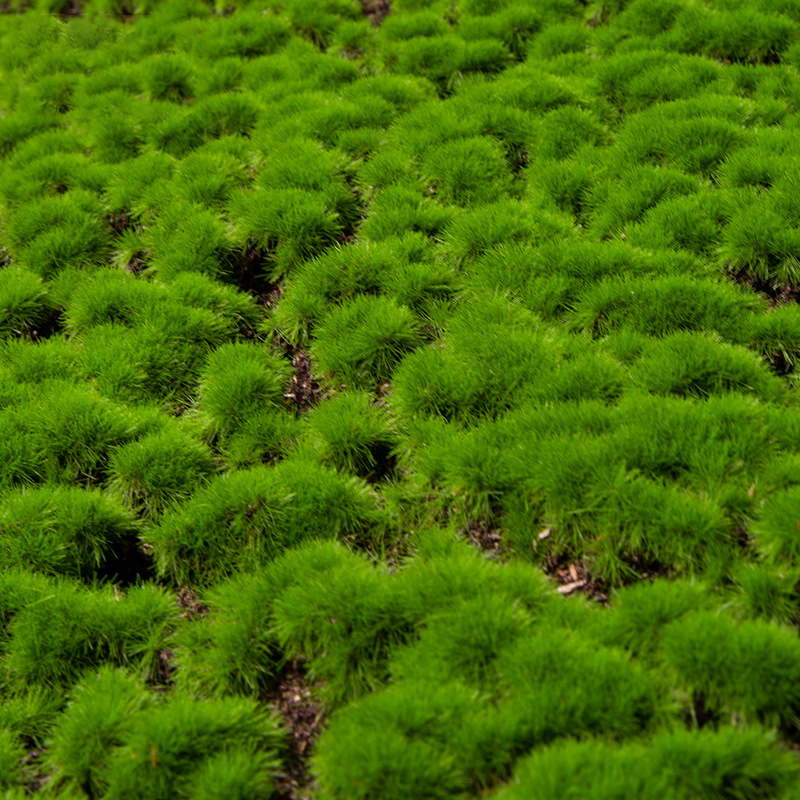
398,401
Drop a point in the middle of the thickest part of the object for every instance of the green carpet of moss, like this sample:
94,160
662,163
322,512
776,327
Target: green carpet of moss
400,406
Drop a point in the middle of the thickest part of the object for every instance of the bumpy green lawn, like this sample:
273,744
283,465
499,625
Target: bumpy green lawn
399,403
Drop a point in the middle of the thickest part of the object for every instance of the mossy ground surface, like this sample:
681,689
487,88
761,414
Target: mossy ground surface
399,400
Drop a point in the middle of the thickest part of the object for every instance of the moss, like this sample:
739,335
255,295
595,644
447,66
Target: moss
428,376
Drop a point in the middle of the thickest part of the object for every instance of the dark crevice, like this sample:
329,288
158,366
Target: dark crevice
120,222
131,565
192,607
700,716
646,568
138,263
376,11
741,538
50,325
518,159
384,463
779,363
351,53
305,391
303,716
162,679
126,11
778,294
73,9
572,575
351,223
34,775
487,539
249,272
391,549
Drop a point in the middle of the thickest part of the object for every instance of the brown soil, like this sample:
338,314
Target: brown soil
573,576
648,569
487,539
777,294
163,677
305,391
120,222
190,604
304,718
351,53
74,9
137,265
376,11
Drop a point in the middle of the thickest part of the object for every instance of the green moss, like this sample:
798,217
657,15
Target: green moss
245,519
218,748
70,630
159,470
64,530
366,334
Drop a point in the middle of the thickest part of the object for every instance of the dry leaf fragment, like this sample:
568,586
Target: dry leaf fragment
569,588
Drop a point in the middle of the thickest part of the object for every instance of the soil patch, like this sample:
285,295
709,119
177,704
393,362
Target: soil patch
162,680
72,10
137,265
190,604
120,222
647,568
305,390
487,539
304,718
778,294
35,776
376,11
573,576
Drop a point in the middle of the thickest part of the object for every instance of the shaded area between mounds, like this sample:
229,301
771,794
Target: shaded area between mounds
780,294
294,700
376,11
573,576
305,391
248,272
487,539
